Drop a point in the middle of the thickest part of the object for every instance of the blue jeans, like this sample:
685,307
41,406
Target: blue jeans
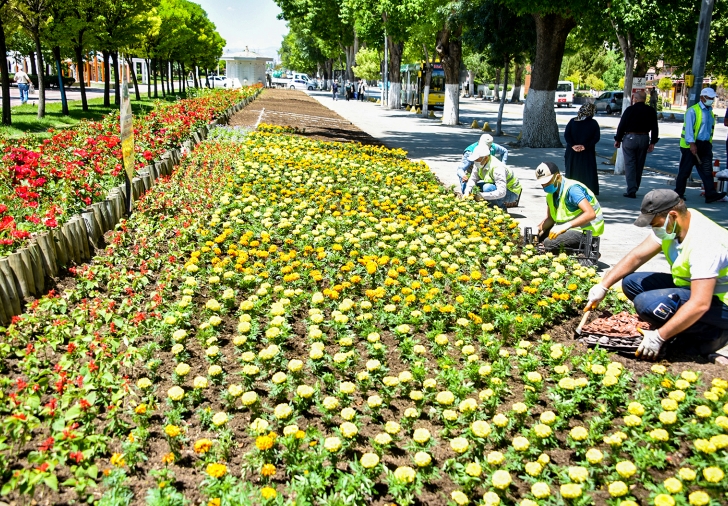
485,189
464,169
656,299
23,89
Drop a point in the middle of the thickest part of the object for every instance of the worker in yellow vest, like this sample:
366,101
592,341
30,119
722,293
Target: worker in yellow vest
696,147
572,209
688,305
491,179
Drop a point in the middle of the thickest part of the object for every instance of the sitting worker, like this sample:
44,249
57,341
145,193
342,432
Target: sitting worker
466,164
688,305
571,209
495,182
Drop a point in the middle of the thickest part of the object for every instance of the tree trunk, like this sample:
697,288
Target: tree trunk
498,129
132,71
195,71
450,48
171,76
117,81
184,76
154,71
33,66
207,78
496,91
471,83
148,63
516,97
81,78
539,119
5,76
57,57
394,100
626,42
428,81
163,78
41,75
107,85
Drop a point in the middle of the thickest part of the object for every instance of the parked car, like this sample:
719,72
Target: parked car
300,84
609,102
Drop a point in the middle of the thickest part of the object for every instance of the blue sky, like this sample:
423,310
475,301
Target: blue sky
249,23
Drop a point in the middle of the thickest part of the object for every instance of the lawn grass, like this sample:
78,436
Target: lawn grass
25,117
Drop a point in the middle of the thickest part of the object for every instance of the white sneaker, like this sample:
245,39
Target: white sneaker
724,199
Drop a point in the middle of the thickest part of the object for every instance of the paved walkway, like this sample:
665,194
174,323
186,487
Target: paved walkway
441,148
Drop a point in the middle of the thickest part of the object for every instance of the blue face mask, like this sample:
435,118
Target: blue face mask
550,188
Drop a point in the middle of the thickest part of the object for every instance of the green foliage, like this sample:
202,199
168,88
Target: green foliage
301,51
664,84
368,64
594,83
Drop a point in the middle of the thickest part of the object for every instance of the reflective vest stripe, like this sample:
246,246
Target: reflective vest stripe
512,182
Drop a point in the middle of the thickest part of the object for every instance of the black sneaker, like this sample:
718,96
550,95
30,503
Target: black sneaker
630,195
715,197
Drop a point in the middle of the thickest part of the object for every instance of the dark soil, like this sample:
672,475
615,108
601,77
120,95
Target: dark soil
293,108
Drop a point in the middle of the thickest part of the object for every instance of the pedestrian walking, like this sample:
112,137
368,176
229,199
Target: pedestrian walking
582,135
363,89
725,123
637,133
654,98
334,89
696,147
347,90
23,81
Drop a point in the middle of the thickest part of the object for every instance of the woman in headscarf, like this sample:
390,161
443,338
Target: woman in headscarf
582,135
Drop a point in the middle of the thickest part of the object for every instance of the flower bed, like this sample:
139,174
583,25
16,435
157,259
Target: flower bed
325,324
46,181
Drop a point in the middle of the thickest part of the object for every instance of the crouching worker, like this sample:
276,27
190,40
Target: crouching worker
688,305
491,180
571,210
466,165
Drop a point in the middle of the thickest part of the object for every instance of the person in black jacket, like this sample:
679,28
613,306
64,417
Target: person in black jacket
637,133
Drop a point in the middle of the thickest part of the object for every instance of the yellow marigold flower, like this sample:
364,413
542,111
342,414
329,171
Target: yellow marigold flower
578,474
369,460
405,474
635,408
176,393
268,493
668,417
332,444
660,435
618,489
421,436
540,490
459,497
480,428
216,470
687,474
533,468
219,419
579,433
202,446
659,369
500,420
348,430
520,444
703,411
264,443
664,500
495,458
699,498
548,417
459,445
268,470
144,383
501,479
673,485
713,474
570,490
117,460
689,376
422,459
594,456
492,499
632,421
704,446
445,398
282,411
626,469
172,431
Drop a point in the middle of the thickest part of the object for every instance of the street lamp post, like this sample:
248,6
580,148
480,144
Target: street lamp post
701,50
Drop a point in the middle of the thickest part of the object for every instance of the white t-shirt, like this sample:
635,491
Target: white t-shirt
710,252
21,77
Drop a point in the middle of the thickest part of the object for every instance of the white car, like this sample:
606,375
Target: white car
300,84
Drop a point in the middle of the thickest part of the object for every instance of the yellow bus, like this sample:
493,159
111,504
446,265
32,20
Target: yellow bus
413,84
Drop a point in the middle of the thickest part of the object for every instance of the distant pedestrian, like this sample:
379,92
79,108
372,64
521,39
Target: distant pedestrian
637,133
269,80
654,98
696,147
363,90
725,123
582,135
23,85
334,89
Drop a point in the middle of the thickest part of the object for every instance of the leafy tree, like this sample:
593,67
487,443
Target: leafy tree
594,83
6,27
665,84
368,64
32,15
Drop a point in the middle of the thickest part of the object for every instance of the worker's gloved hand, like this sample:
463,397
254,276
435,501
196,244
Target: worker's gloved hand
557,230
477,196
651,344
596,295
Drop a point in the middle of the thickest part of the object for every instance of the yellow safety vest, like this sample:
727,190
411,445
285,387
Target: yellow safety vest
485,173
562,214
696,128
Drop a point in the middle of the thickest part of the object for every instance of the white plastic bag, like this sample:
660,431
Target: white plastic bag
722,173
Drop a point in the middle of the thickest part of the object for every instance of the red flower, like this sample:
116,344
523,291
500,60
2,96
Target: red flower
47,444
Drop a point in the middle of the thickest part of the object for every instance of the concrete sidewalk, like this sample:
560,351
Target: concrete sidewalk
441,148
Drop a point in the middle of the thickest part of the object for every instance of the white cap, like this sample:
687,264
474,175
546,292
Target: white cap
486,139
482,149
708,92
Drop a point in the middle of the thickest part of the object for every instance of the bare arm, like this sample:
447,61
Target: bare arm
701,293
636,258
586,216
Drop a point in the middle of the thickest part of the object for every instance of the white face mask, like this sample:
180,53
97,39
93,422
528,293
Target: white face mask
661,232
708,102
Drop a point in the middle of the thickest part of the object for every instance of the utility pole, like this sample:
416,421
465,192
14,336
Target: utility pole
701,50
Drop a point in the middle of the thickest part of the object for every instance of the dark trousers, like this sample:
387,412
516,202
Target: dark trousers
634,149
656,299
569,240
704,168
